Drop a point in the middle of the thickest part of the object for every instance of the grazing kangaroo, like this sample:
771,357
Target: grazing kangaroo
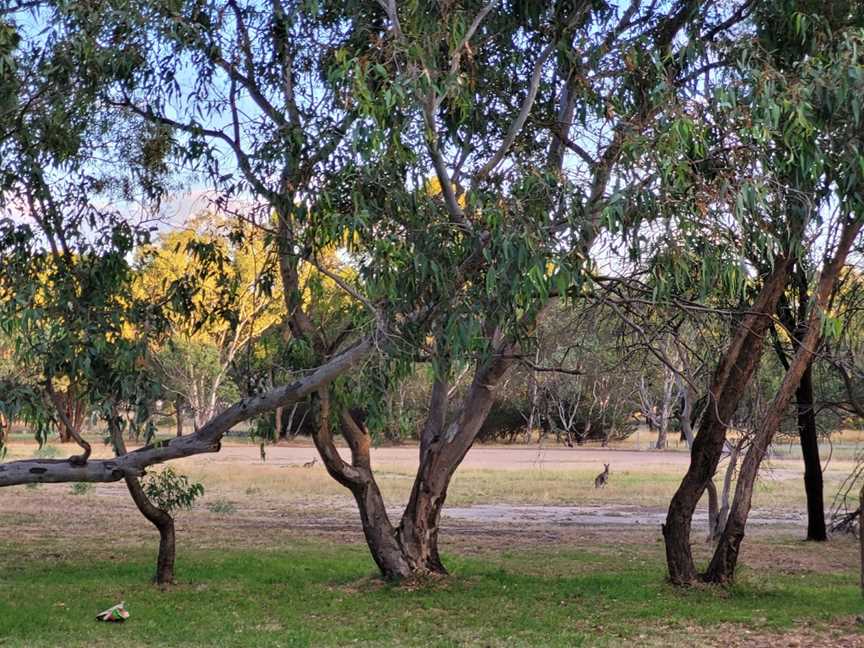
603,478
309,464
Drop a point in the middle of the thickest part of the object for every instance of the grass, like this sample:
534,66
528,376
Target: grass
325,595
651,486
253,574
222,507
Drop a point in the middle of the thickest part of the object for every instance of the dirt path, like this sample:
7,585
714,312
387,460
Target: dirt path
614,515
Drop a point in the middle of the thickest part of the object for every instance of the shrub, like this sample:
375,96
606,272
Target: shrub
81,488
171,491
221,507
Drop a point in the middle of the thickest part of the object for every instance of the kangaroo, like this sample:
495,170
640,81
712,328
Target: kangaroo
603,478
309,464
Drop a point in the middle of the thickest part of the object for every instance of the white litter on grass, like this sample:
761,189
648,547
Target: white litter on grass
116,614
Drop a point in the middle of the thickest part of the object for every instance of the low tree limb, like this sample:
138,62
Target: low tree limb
206,439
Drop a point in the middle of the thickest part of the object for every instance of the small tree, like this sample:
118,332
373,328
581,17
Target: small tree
165,493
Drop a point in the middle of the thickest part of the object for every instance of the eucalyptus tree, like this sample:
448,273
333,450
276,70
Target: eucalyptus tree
334,116
513,224
791,117
194,360
264,70
785,48
832,83
66,283
64,273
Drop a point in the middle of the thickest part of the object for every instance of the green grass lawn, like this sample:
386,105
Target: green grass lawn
309,594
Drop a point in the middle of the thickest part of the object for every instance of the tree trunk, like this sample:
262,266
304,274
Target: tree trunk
411,550
535,400
162,520
807,432
278,428
64,433
164,523
861,534
713,511
809,437
443,447
718,505
358,478
178,413
662,433
705,455
728,384
666,407
725,559
74,410
418,532
391,558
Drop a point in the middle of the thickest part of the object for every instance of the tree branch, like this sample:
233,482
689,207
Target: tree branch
206,439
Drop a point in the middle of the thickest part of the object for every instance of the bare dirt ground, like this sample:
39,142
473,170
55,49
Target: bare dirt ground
38,517
244,498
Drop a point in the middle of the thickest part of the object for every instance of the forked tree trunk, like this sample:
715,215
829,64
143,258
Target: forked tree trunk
728,385
358,478
442,450
725,559
411,549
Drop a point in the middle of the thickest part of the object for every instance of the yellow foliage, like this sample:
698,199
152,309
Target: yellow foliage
433,188
170,260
